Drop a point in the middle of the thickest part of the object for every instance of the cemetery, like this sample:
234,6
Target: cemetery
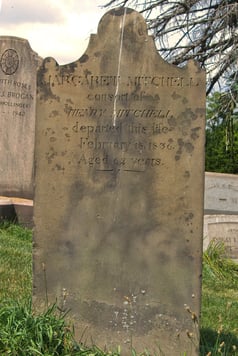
102,160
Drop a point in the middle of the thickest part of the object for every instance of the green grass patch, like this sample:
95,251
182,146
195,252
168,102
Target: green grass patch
15,262
22,332
219,315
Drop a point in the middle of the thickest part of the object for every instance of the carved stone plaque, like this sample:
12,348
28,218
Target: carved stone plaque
18,66
119,191
221,193
222,228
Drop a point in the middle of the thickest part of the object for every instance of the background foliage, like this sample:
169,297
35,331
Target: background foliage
207,32
222,131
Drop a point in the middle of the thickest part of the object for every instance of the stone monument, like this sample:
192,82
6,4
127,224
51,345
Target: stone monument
221,194
18,66
221,211
222,228
119,191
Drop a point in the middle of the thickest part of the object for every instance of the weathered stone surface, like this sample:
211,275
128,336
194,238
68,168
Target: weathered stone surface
120,151
18,65
221,193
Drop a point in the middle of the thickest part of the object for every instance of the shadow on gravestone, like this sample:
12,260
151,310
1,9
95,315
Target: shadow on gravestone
120,155
18,67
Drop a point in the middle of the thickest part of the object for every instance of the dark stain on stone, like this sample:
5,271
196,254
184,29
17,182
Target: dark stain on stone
186,174
180,144
189,147
120,11
200,112
77,192
97,54
68,68
172,121
188,216
69,247
43,86
72,66
59,167
51,155
54,113
191,114
194,133
144,317
175,96
87,72
84,58
163,257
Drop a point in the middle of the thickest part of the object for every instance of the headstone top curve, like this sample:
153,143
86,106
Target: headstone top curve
17,40
124,16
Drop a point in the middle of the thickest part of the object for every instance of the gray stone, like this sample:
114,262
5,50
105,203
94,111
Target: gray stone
18,65
120,152
221,193
222,228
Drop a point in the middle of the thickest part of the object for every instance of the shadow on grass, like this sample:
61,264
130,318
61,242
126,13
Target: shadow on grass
217,343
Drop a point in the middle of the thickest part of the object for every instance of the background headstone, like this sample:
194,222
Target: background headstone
119,191
221,211
18,66
221,193
222,228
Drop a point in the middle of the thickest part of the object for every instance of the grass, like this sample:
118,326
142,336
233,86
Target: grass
24,333
15,262
219,317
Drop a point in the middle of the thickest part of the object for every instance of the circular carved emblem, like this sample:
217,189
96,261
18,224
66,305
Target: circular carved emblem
9,61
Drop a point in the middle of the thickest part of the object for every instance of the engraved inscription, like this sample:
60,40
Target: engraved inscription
98,81
132,142
15,97
226,233
137,138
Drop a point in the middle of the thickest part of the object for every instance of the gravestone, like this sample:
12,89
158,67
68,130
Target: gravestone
221,193
119,191
18,66
222,228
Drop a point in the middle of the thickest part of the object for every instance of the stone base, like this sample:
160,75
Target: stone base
222,228
17,210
